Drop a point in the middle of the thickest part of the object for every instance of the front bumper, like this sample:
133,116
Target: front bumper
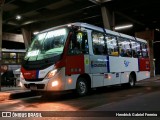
45,84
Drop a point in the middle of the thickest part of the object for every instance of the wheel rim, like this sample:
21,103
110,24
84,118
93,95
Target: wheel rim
82,87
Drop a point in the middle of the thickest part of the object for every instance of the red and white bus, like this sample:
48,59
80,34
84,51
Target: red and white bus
80,56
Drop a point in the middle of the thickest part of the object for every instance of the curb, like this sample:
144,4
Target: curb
4,96
9,95
151,79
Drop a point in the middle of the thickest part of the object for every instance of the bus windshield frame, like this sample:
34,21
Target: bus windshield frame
47,44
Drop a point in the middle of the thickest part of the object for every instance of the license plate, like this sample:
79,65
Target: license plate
33,87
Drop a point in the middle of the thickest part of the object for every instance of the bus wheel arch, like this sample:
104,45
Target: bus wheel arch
83,84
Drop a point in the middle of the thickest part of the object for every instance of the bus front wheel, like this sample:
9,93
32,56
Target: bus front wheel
82,87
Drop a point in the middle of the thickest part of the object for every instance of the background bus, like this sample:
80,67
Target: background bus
11,61
81,56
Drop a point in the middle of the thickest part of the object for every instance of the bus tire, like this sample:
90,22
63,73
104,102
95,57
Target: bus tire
81,87
132,81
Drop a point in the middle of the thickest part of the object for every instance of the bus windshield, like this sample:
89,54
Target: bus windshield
47,45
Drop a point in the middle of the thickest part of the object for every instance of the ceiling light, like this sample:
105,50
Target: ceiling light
123,27
106,0
35,33
18,17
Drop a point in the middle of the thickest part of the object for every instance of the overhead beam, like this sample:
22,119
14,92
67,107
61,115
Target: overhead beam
129,18
60,20
13,37
8,2
95,2
29,8
59,13
99,2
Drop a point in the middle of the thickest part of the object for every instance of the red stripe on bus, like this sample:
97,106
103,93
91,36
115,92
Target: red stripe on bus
28,74
144,64
74,64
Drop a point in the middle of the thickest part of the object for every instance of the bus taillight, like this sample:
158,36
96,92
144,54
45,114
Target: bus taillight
108,76
147,74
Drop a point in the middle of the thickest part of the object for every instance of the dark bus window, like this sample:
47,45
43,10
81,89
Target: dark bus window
12,58
79,43
9,58
20,57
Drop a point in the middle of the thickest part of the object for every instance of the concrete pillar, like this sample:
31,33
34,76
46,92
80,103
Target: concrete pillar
152,64
26,36
106,16
113,21
0,43
1,22
149,36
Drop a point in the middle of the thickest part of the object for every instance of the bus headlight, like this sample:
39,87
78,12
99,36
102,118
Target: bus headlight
55,83
51,73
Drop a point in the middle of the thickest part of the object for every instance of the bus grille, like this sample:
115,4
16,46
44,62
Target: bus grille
39,86
34,80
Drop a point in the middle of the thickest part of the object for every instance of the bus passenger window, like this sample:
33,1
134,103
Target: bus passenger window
124,47
98,43
136,49
112,45
144,50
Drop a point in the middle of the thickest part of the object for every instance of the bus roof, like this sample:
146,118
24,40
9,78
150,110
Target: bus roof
89,26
